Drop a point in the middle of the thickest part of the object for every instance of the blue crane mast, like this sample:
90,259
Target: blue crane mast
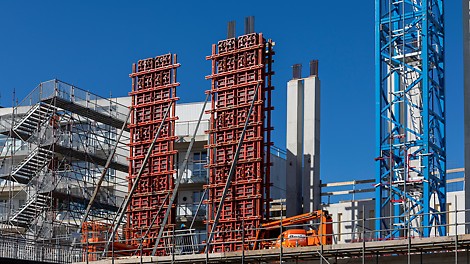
410,188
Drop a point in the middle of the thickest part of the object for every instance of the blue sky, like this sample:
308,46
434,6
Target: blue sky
93,44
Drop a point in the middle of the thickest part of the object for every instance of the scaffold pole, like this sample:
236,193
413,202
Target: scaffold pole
103,174
180,176
125,203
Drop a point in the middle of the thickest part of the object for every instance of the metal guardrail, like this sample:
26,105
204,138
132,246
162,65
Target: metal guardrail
181,242
190,209
278,152
23,249
71,93
187,242
360,231
186,128
334,192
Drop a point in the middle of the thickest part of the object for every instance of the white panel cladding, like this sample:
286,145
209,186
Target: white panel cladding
311,170
294,137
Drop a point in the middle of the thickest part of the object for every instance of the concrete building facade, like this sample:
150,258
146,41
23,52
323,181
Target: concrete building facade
18,197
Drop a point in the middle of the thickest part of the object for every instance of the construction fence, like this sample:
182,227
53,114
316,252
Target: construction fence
44,251
359,231
179,243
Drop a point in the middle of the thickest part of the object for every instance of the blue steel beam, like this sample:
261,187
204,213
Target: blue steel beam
410,115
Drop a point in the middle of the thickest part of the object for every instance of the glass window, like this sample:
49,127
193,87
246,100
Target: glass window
199,161
3,206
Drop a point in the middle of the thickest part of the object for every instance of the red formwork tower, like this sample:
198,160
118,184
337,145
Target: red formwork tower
153,91
238,65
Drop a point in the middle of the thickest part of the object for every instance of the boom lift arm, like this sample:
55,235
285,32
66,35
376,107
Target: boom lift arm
325,229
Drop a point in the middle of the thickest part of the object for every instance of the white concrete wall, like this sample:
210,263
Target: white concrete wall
347,219
294,145
278,177
188,116
191,111
311,171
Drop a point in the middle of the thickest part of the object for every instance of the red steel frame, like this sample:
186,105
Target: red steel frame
238,64
153,89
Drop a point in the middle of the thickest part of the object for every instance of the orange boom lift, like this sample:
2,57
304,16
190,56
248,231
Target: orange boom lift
323,235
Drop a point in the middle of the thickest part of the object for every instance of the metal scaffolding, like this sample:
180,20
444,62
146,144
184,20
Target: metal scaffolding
410,114
55,145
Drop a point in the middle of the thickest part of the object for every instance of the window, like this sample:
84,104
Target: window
197,196
3,206
3,145
199,161
200,156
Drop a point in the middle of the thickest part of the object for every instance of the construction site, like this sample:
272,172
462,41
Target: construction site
86,178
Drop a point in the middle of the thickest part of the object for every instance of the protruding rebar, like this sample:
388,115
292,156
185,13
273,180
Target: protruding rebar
314,68
231,29
249,25
296,71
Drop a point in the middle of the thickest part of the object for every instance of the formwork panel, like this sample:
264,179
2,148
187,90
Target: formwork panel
153,91
238,65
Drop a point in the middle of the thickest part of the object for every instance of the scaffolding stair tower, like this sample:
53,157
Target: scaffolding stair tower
33,120
61,137
30,166
30,210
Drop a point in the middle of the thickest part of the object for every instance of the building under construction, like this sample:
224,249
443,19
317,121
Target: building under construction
143,179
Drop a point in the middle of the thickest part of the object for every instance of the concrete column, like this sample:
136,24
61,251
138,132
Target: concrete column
294,136
466,88
311,171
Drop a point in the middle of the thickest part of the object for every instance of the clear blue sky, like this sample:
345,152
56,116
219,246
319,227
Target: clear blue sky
93,44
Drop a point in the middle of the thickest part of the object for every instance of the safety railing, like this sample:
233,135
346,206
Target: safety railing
186,128
24,249
189,210
334,192
194,172
359,232
278,152
5,123
91,143
73,94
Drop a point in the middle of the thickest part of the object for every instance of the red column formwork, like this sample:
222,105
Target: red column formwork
153,89
238,64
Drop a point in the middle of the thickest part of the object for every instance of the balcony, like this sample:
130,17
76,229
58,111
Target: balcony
188,211
194,173
186,128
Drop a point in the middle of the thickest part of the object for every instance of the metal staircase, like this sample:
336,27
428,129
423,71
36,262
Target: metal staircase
28,171
61,137
29,167
34,119
30,210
